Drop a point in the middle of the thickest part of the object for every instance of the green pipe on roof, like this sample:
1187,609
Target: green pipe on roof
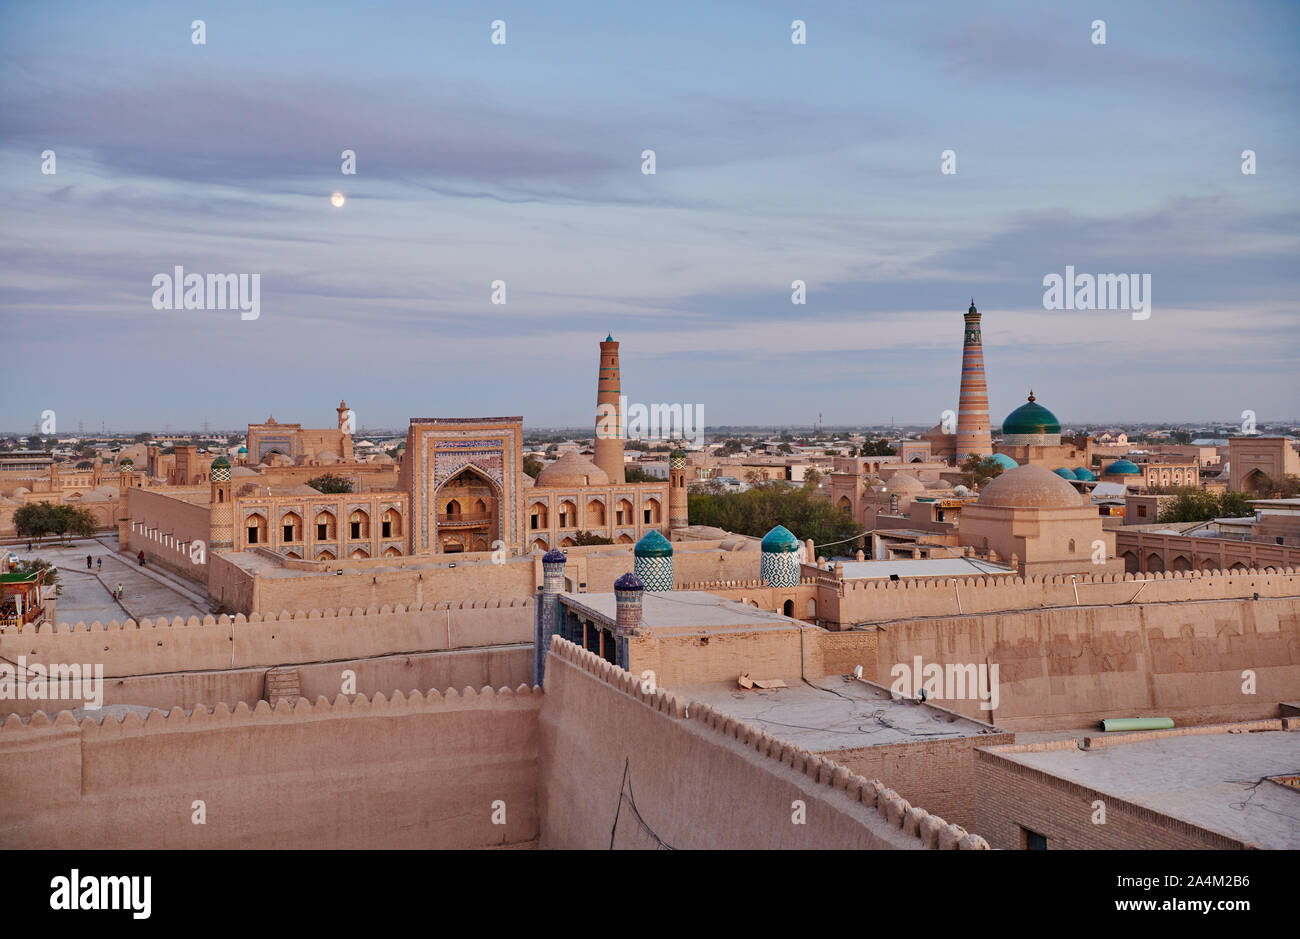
1136,723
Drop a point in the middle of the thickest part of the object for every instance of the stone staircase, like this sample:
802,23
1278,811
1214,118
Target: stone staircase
282,684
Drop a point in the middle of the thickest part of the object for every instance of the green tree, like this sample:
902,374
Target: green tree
141,438
330,483
532,466
877,447
40,564
35,443
1201,505
33,520
586,537
977,470
811,477
768,504
634,474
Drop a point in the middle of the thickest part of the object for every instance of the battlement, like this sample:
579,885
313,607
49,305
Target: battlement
931,830
201,717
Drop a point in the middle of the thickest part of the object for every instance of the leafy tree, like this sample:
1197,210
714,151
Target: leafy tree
330,483
732,447
40,564
33,520
634,474
811,477
977,470
1201,505
35,443
141,438
532,466
877,447
768,504
586,537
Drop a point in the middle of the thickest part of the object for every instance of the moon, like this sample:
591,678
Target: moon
337,200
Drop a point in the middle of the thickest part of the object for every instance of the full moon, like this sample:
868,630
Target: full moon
337,200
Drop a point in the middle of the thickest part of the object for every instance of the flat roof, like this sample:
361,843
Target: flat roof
683,611
1218,781
834,713
922,567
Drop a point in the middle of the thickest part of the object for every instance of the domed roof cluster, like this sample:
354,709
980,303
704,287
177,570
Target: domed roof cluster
780,540
1065,473
1087,475
572,469
1123,468
1031,419
1030,487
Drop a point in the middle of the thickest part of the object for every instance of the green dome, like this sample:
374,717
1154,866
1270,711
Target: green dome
653,545
243,449
678,454
1065,473
1087,475
127,462
780,541
1004,461
1031,420
1123,468
220,462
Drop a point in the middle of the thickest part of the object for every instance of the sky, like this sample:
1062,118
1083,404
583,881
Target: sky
522,162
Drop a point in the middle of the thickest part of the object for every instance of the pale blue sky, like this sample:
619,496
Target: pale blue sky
522,163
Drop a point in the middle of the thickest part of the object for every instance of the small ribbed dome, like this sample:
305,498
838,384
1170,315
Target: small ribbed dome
1065,473
1029,487
554,556
1087,475
653,545
242,450
629,581
127,462
572,469
780,540
1123,468
1004,461
1031,420
219,462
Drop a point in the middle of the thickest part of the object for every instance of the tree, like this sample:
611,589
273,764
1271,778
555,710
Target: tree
732,447
39,564
784,448
977,470
36,520
532,466
1201,505
330,483
759,509
586,537
141,438
811,477
877,447
33,520
634,474
35,443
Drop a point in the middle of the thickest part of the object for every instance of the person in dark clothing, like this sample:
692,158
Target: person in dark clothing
141,557
87,562
99,564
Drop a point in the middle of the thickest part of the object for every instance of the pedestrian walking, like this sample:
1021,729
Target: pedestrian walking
118,593
99,565
87,562
141,558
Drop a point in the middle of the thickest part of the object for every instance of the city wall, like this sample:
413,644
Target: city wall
698,778
163,527
1068,668
399,771
183,662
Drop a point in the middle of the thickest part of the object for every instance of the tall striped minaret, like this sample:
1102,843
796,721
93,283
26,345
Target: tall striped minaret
973,406
609,414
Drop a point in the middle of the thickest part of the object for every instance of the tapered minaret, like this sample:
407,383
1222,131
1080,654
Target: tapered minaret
609,414
973,406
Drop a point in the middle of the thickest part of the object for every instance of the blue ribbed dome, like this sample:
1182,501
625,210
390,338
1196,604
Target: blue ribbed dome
1065,473
1087,475
1004,461
653,545
1123,468
780,541
629,581
554,556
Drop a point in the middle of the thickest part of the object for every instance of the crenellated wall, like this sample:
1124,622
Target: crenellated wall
392,771
699,778
1070,667
160,663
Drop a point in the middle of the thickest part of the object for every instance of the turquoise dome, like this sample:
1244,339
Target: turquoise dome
1031,419
653,545
219,463
1087,475
780,541
1004,461
243,450
1123,468
1065,473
